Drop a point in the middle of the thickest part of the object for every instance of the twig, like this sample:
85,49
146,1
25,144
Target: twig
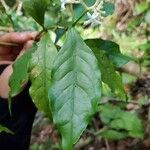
79,18
19,8
82,143
107,144
4,5
141,106
117,101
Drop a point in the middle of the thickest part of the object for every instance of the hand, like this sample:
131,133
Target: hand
12,45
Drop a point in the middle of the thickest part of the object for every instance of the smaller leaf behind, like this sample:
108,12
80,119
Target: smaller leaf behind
108,73
112,50
116,119
114,134
40,73
109,8
36,9
20,72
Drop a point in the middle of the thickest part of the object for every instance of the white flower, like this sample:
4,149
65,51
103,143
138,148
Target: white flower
93,19
63,2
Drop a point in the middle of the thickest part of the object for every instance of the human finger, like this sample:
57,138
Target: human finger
9,57
19,38
26,46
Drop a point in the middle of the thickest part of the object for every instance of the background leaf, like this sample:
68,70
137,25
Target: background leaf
40,73
113,134
121,121
20,72
112,50
36,9
109,75
76,88
78,9
109,8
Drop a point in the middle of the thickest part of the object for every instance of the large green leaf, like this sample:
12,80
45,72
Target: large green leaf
40,73
76,88
20,72
109,75
112,50
36,9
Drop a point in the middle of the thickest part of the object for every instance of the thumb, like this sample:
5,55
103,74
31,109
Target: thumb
26,46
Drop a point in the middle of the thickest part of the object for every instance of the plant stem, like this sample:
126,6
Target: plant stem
79,18
4,4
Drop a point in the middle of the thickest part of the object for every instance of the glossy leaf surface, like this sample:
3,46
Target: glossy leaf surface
40,73
76,88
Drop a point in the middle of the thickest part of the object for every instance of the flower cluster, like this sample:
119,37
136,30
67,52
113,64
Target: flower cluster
95,13
95,16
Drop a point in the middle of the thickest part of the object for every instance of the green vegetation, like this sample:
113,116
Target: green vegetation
75,73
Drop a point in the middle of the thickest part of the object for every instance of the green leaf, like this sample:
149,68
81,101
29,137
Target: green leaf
141,7
108,113
40,73
112,50
36,9
109,75
78,9
59,33
130,122
76,88
145,47
113,134
5,129
109,8
20,72
115,118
